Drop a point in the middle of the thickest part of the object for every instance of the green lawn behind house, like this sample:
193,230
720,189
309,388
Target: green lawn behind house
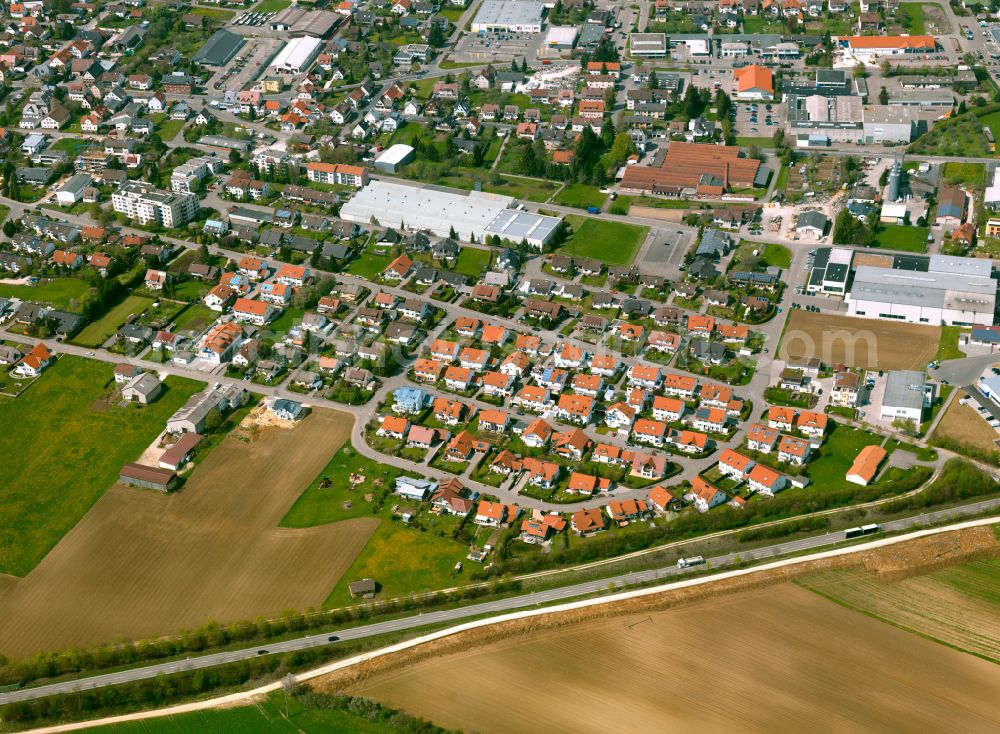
907,238
580,196
473,261
614,243
67,449
58,292
98,332
838,452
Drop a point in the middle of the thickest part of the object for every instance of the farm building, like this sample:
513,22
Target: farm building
148,477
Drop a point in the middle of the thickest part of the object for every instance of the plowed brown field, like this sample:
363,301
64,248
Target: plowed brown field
773,659
142,564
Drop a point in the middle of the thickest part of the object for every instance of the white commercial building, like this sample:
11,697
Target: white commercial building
907,395
648,44
476,214
190,172
956,291
297,55
146,204
561,37
508,16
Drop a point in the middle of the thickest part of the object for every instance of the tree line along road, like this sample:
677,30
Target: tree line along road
476,610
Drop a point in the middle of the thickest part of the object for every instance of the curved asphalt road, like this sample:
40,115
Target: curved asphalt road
491,607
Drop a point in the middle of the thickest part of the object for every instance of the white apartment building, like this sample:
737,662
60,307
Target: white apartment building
146,204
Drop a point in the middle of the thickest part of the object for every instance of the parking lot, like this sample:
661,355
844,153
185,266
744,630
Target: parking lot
496,48
246,66
253,19
757,119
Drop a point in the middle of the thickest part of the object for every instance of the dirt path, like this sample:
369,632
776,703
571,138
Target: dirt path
142,564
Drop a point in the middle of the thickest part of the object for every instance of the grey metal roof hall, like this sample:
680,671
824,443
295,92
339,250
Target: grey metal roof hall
219,49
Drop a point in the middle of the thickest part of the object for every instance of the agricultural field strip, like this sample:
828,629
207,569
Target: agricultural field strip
495,606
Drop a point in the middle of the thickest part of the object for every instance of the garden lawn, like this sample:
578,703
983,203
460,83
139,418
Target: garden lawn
98,332
915,11
901,237
68,449
838,452
973,174
57,292
169,128
614,243
948,345
368,265
271,6
70,146
473,261
580,196
195,317
402,560
217,14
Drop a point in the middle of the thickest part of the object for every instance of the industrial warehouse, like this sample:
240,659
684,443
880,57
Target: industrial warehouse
508,16
940,289
473,216
297,54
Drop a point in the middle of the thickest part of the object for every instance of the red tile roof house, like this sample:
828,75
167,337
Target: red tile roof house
625,511
533,398
497,383
735,465
421,437
392,427
649,432
620,415
444,350
680,386
427,370
254,268
458,378
793,450
715,396
705,496
648,466
537,435
294,275
588,522
780,418
504,463
762,438
398,269
571,444
668,409
449,412
660,498
491,514
256,312
575,408
537,530
587,484
495,421
540,473
765,481
644,376
811,424
34,362
689,442
449,502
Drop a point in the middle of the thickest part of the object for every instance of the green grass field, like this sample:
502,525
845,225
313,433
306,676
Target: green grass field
168,129
473,261
98,332
777,255
69,145
614,243
402,559
907,238
267,716
948,345
217,14
836,456
67,449
271,6
58,292
915,11
973,174
368,265
580,196
195,317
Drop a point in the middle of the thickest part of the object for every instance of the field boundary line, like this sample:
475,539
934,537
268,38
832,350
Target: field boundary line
234,699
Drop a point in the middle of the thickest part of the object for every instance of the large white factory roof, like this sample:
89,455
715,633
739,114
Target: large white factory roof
515,225
931,289
296,53
398,205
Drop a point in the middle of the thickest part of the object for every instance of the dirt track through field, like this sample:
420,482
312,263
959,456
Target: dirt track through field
859,342
142,564
775,659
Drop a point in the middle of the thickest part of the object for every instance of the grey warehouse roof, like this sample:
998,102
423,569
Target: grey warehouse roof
219,49
905,389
